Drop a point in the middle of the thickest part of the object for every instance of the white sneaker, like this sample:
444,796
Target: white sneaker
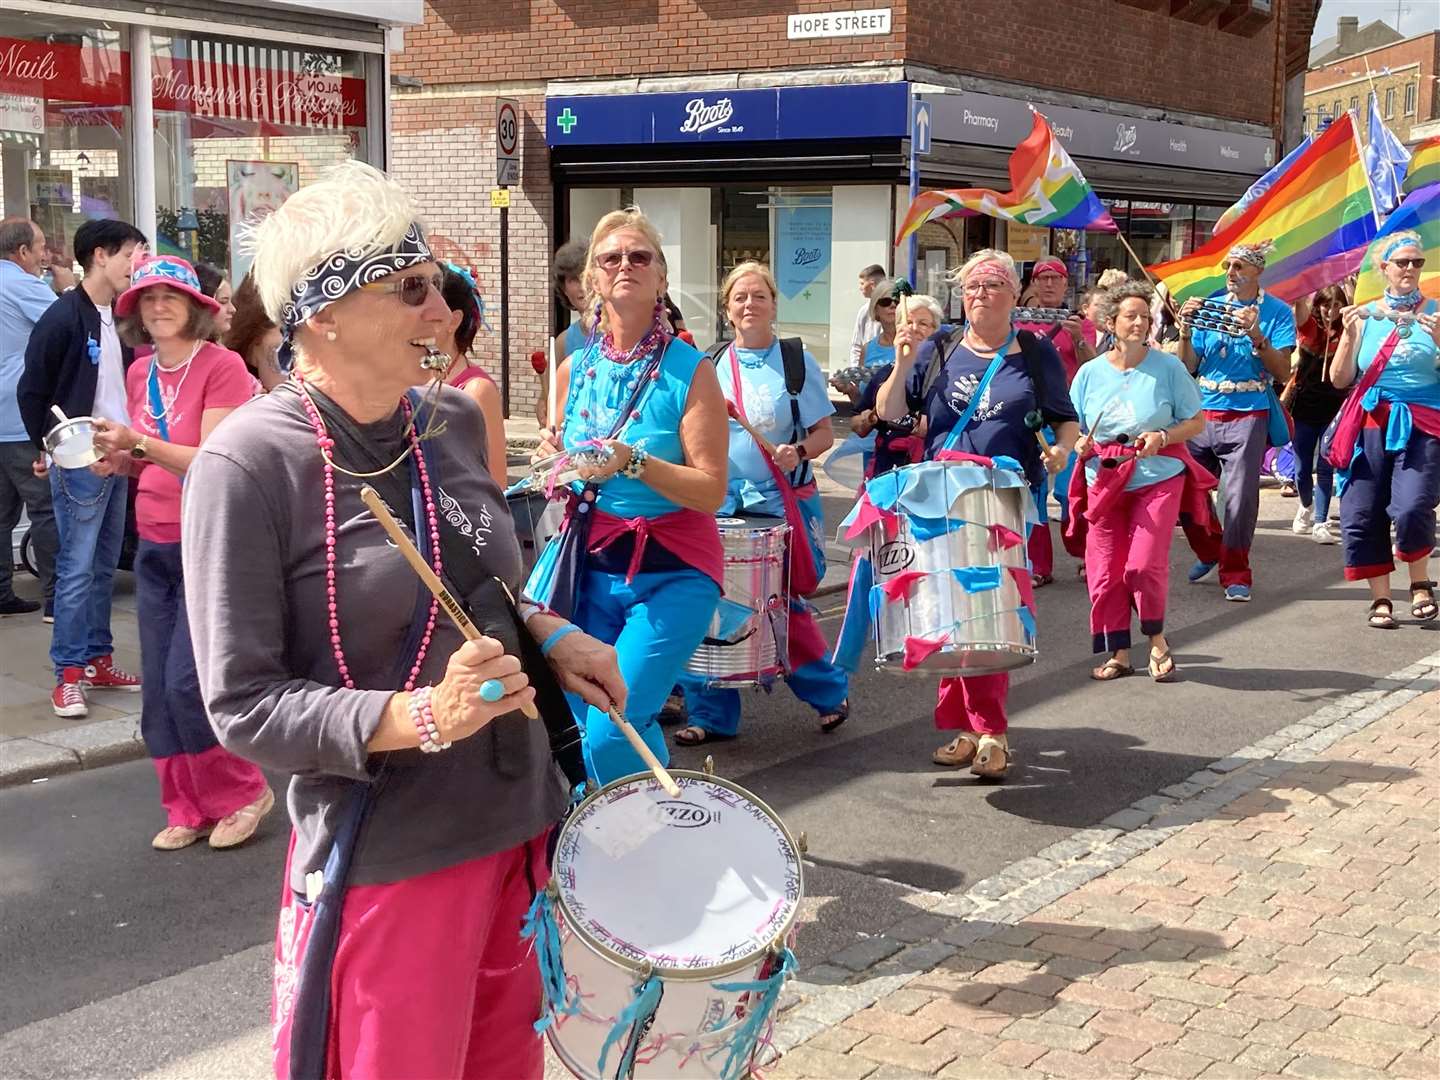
1304,521
1323,534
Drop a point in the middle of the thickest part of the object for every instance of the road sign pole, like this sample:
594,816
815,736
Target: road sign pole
507,172
505,311
913,244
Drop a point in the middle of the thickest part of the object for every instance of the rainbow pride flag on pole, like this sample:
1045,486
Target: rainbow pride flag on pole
1320,215
1046,189
1419,212
1424,167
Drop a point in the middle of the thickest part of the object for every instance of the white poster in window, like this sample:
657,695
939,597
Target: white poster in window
255,189
22,114
802,263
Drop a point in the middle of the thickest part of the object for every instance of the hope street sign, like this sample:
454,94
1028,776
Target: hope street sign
830,24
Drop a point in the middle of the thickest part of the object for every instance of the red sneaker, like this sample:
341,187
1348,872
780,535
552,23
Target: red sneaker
68,697
102,674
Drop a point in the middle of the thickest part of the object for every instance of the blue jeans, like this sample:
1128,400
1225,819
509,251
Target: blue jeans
820,684
656,623
1321,481
90,517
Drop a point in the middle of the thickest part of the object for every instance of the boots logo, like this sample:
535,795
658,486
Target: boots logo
701,117
1126,135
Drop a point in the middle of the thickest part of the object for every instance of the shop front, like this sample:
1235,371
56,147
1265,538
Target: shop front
191,120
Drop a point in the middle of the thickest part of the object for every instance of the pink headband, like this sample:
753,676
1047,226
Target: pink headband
1050,264
999,269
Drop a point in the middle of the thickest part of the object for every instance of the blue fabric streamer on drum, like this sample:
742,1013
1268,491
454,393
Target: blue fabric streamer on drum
731,619
742,1043
540,926
975,579
1026,620
632,1023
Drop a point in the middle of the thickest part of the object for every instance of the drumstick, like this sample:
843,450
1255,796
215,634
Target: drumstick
647,755
764,443
371,498
903,318
552,389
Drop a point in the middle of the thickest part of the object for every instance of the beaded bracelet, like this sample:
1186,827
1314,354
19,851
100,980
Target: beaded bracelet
423,717
555,636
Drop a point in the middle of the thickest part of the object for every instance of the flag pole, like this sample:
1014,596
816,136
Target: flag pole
1169,300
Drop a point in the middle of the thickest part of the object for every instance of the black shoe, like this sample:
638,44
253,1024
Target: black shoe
49,615
17,606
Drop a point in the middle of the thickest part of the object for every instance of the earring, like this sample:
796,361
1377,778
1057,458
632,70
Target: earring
330,335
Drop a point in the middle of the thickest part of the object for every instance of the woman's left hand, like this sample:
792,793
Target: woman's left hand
113,438
1055,459
1432,324
787,458
615,455
1148,444
585,666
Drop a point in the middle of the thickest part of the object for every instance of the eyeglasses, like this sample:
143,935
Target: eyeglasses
888,301
1406,264
413,289
611,260
975,288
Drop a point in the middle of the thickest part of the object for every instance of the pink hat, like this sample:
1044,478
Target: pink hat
162,270
1043,265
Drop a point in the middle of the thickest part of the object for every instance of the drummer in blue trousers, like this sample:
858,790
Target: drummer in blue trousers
752,373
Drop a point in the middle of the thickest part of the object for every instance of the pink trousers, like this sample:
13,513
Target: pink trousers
975,703
431,977
200,789
1127,563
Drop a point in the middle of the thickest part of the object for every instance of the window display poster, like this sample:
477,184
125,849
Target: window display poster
254,189
802,263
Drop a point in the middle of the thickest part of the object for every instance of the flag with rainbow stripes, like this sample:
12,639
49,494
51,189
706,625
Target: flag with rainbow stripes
1419,213
1424,167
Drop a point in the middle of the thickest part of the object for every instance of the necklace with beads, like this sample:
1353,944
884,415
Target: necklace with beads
432,520
604,403
155,369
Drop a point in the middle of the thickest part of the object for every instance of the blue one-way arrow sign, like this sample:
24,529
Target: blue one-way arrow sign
920,128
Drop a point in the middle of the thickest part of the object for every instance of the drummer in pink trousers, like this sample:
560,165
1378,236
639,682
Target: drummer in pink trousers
1028,377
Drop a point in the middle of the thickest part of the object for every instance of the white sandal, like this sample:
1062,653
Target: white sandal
957,752
992,756
234,829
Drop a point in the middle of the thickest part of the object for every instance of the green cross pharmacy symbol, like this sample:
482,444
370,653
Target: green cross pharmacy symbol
567,120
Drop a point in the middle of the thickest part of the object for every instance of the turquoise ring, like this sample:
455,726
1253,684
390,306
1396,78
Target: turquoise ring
492,690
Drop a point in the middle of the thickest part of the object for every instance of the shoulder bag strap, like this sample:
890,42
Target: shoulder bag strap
963,422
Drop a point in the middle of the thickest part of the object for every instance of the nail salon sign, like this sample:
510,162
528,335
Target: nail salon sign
832,24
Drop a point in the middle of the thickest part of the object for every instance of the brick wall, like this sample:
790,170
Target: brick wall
1346,78
443,151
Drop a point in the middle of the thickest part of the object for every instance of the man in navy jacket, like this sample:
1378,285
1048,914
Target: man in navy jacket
75,360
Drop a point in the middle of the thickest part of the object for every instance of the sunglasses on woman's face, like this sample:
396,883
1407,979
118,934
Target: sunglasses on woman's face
1406,264
414,290
887,302
610,261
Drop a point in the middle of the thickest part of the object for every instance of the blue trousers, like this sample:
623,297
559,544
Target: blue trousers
656,623
172,715
90,518
1314,478
1402,486
820,684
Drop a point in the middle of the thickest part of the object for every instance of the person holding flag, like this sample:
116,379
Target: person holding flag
1386,447
1234,374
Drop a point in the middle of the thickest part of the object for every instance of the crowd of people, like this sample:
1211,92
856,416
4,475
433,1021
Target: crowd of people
281,629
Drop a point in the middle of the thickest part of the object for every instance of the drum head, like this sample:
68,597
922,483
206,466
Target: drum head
758,522
701,885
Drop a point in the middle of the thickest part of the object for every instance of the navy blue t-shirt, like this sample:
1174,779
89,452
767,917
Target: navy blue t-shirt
998,426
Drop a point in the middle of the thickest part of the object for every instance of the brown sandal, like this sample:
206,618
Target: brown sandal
1162,666
958,752
992,757
1111,670
694,735
1382,620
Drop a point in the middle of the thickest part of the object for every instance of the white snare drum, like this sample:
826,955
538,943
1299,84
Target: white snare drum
674,916
982,629
536,519
747,639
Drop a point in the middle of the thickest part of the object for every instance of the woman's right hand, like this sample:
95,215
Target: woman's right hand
459,709
1350,318
1082,445
550,444
908,335
863,422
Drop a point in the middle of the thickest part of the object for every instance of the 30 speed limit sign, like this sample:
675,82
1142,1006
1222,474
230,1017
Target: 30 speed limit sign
507,141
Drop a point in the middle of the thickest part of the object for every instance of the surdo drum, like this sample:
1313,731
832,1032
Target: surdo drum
746,643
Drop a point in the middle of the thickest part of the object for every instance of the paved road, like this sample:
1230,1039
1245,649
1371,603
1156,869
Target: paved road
87,911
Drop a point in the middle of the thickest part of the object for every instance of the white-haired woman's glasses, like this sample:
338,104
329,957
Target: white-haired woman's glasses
975,288
413,289
610,261
1405,264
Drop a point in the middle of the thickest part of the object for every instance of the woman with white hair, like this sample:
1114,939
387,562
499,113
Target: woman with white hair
1386,448
638,561
415,790
897,442
982,383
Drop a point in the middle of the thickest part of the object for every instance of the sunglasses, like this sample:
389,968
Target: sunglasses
1406,264
612,260
886,302
414,290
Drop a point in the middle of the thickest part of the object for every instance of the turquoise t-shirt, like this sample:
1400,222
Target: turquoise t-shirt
1157,394
594,401
1411,374
1224,358
573,339
767,407
877,355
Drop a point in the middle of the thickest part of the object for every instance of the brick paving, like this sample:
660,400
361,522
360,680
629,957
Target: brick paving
1292,932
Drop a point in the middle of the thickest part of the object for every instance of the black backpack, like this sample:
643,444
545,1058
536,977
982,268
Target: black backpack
792,360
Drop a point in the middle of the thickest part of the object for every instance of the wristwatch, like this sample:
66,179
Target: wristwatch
138,451
801,452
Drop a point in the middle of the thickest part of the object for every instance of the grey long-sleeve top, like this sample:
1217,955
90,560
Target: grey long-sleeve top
254,551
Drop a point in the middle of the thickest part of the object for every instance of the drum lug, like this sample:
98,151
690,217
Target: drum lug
803,843
708,766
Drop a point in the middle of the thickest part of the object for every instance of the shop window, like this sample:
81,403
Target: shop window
1389,103
64,123
1410,96
239,126
1338,110
1354,102
1157,231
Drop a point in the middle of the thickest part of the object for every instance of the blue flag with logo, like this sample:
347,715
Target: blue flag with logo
1386,160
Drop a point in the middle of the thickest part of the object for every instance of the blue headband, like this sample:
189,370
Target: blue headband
1399,241
339,275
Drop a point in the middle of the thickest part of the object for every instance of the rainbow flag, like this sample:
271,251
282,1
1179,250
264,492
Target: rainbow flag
1045,189
1320,216
1424,167
1420,212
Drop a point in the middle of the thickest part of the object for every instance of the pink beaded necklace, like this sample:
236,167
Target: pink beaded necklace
327,444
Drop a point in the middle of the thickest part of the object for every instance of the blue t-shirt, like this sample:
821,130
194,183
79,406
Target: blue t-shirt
1410,374
876,354
1225,358
572,340
767,407
1157,394
998,425
23,299
594,402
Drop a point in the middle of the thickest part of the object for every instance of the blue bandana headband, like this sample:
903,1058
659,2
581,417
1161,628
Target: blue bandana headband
341,274
1401,240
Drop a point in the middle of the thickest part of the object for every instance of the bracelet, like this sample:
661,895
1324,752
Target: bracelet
636,465
1164,438
423,718
555,636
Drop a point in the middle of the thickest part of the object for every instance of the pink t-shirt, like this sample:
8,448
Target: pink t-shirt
215,379
1064,344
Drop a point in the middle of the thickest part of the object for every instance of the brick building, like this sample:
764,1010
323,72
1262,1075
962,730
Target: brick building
1404,74
780,129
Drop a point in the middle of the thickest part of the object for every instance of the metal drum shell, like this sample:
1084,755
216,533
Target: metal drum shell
756,576
72,443
987,633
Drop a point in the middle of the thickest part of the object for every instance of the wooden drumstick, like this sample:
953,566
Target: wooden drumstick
641,747
764,443
371,499
902,317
